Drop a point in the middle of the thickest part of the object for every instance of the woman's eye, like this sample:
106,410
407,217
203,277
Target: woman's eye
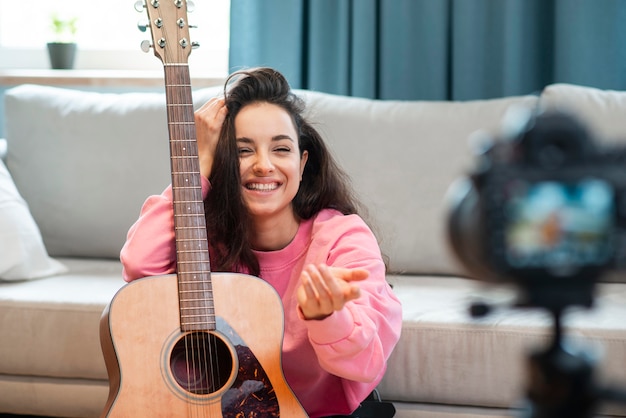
244,151
283,149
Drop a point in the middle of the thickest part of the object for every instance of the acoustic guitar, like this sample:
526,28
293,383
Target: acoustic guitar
192,344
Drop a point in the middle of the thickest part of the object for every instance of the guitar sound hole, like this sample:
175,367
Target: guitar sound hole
201,363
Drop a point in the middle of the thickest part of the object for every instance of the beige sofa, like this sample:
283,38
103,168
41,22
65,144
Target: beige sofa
84,162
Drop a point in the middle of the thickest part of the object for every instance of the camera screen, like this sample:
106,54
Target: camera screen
558,225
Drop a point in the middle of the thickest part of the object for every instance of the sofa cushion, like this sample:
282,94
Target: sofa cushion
23,254
50,326
444,356
89,162
402,157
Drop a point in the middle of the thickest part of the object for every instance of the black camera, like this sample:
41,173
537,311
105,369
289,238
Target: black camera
544,209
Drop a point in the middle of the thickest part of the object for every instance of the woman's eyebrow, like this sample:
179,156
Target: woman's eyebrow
282,136
245,140
279,137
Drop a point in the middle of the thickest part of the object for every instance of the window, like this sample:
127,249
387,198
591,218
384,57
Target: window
107,35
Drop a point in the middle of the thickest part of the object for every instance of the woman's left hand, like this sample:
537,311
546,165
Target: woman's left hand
325,289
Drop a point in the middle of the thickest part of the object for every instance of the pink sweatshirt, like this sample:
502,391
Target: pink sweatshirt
351,346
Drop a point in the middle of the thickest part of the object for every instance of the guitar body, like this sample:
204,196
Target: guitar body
153,374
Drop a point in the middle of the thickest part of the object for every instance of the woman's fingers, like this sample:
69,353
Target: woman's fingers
209,119
327,289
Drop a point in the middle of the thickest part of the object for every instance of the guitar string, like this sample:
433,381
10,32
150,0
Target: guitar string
199,354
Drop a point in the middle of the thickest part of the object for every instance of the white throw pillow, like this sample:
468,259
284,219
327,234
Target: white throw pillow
22,252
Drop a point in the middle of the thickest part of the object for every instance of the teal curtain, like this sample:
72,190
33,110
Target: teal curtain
433,49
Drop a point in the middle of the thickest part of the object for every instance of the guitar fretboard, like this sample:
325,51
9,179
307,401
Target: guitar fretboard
194,271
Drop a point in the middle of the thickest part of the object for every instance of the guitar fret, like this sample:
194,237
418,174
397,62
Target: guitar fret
200,303
196,320
178,157
188,310
200,323
204,305
194,281
195,291
187,317
196,300
200,315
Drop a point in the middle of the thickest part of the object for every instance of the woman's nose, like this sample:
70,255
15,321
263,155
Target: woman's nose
263,164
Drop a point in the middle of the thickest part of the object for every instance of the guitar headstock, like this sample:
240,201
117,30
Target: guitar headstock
169,28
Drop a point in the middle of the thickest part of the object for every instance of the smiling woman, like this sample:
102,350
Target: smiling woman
107,35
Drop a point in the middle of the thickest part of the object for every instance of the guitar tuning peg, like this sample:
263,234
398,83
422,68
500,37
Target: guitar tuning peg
195,45
142,25
191,6
145,46
140,5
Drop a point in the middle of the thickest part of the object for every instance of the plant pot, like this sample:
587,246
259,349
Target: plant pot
62,55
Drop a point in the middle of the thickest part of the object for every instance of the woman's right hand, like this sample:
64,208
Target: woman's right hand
209,120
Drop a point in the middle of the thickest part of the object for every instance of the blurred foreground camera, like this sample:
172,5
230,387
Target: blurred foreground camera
545,209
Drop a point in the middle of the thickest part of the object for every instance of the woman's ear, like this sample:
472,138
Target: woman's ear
303,159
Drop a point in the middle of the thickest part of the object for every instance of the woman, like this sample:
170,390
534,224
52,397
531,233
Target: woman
278,207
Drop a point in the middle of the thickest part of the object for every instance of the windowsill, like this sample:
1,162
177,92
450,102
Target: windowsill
96,78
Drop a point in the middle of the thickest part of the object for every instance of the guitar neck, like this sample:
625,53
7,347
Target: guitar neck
192,254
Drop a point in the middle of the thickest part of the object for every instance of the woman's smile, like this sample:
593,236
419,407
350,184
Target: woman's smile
263,187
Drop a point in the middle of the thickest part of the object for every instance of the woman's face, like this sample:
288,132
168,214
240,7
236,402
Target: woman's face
270,163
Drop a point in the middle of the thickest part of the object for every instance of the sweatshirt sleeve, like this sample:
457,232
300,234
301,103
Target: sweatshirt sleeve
355,342
150,248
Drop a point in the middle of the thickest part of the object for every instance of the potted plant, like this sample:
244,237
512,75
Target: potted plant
63,49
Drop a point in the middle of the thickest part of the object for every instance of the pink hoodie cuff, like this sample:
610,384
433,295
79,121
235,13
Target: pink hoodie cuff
331,329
